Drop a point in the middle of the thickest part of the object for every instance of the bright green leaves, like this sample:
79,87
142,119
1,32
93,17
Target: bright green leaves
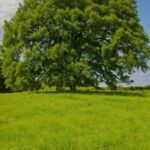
41,33
59,51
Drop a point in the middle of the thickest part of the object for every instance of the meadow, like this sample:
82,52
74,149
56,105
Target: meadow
102,120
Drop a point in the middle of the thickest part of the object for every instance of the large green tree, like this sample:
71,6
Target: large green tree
73,43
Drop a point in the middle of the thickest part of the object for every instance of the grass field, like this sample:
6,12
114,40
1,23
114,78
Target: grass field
81,121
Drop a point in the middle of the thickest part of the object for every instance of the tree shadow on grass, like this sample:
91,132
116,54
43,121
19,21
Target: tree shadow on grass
103,92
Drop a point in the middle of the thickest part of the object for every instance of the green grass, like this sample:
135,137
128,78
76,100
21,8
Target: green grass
81,121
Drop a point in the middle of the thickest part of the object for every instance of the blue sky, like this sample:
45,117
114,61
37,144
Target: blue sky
144,13
8,8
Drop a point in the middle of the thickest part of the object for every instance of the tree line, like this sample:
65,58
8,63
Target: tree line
69,44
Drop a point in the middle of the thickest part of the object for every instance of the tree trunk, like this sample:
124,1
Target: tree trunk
72,88
59,89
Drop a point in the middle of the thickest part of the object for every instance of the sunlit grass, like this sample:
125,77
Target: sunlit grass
81,121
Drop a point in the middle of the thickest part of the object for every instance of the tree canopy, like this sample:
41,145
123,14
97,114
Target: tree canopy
76,43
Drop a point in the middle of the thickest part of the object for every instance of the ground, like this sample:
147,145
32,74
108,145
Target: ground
81,121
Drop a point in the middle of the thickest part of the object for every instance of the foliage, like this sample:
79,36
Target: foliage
75,43
147,87
2,79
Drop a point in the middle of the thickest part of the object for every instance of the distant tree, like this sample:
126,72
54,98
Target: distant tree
2,79
73,43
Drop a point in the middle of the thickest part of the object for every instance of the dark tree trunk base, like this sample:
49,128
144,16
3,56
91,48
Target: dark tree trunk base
73,89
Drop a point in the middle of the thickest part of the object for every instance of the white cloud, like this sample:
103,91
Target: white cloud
7,9
141,78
